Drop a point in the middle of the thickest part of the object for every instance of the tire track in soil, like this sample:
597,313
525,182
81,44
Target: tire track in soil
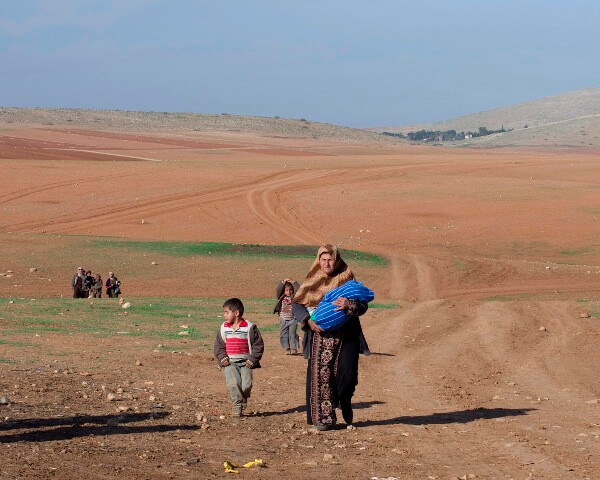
171,203
264,203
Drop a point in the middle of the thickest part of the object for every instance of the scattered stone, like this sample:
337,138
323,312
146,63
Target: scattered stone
127,396
4,401
122,408
185,440
143,222
151,398
85,374
111,397
138,363
185,332
193,461
350,427
154,263
120,390
221,417
33,269
593,401
584,315
200,417
177,407
204,426
121,301
328,457
542,329
126,305
11,301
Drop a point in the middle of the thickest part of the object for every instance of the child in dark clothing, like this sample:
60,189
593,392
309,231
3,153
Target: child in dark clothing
238,350
288,335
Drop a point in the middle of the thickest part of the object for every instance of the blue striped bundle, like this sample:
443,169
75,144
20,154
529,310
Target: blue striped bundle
327,317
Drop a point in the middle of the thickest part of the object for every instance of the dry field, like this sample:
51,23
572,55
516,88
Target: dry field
485,329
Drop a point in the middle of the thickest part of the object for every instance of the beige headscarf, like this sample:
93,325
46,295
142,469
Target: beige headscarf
318,283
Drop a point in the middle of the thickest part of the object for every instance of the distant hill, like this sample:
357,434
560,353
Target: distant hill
121,120
567,120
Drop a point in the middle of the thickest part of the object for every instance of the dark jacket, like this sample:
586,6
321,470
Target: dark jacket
257,347
280,293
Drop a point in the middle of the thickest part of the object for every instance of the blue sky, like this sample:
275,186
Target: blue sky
350,62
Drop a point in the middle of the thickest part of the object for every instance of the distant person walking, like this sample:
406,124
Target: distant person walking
96,291
78,284
88,284
113,286
288,336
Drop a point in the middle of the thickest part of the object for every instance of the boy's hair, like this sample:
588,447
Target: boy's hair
234,304
288,284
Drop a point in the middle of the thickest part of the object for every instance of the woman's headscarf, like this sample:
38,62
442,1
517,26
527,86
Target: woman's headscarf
318,283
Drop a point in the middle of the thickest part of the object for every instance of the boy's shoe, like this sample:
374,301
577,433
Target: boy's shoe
237,411
288,351
294,352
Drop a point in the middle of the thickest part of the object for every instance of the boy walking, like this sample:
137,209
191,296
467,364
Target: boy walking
238,350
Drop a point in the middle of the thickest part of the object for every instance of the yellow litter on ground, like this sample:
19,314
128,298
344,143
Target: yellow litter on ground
231,468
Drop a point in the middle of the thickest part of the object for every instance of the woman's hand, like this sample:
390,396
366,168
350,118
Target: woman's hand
314,327
341,303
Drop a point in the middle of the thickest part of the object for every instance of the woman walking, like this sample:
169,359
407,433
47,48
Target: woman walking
332,372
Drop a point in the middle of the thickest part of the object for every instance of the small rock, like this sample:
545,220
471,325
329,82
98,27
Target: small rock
11,301
33,269
143,222
138,363
126,305
121,301
328,456
204,426
350,427
151,398
177,407
593,401
185,440
192,461
584,315
127,396
122,408
221,417
542,329
200,417
120,390
154,263
4,401
185,332
111,397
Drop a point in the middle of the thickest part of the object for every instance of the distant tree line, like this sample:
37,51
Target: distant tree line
445,135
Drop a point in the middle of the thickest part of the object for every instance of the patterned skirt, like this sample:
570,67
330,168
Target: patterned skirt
322,369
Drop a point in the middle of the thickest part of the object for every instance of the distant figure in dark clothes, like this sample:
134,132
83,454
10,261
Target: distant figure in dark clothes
78,284
113,286
96,291
88,284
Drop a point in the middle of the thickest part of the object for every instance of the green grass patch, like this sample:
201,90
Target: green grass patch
582,300
509,298
206,249
579,251
458,264
151,318
6,360
10,343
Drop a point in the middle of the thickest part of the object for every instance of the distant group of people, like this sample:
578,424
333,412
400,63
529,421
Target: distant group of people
86,285
327,306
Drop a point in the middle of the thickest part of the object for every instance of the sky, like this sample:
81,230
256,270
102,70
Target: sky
348,62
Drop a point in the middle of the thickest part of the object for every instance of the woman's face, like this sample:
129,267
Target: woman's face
326,262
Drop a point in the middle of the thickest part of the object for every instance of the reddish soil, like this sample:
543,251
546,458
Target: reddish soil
485,247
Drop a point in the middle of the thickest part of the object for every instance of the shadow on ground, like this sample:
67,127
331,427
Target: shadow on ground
462,416
85,426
